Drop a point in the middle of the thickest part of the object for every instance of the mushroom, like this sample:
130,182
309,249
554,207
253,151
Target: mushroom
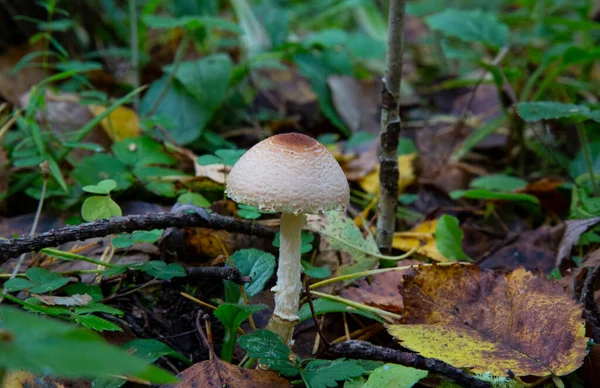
295,175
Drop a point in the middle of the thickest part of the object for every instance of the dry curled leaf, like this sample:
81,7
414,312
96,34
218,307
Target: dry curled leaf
492,322
575,228
216,373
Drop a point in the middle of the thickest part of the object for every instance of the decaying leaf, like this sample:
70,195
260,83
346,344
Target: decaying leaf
122,123
370,183
421,237
575,228
23,379
217,373
73,300
340,233
492,322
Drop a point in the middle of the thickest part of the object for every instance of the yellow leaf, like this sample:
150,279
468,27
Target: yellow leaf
370,183
122,123
492,321
422,238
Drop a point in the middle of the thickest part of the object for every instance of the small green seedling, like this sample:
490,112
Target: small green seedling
102,205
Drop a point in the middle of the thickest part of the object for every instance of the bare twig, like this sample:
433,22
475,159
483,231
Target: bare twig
314,314
367,351
390,128
592,313
135,49
100,228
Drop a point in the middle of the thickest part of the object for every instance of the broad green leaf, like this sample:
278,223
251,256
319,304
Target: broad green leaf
257,264
92,169
126,240
493,195
103,187
99,207
232,316
324,306
18,284
187,117
190,22
327,373
470,26
498,182
46,281
395,376
55,171
269,348
314,271
142,151
98,308
96,323
151,350
578,166
342,234
448,238
229,157
546,110
160,269
248,212
47,347
307,239
195,199
206,79
92,290
254,37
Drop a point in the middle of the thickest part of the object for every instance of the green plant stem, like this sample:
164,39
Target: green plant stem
73,256
390,128
135,49
357,305
585,148
178,58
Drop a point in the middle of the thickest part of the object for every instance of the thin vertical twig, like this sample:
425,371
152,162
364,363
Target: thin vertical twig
135,49
390,128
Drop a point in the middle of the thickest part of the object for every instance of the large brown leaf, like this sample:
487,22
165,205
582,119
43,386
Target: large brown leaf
216,373
490,321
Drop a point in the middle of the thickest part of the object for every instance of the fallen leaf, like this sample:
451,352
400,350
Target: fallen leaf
122,123
370,183
422,238
381,290
492,322
23,379
340,233
15,85
546,190
217,373
73,300
356,102
574,230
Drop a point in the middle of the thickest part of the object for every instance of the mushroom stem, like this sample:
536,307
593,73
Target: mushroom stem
289,283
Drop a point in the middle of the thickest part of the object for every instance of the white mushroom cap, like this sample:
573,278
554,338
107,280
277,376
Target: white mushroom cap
290,173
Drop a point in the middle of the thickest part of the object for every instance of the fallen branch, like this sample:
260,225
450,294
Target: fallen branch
366,351
225,273
201,219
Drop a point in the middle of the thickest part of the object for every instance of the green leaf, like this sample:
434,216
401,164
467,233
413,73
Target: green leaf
47,347
46,281
232,316
98,308
191,22
315,272
257,264
142,151
94,291
324,306
546,110
394,376
160,269
578,165
498,182
55,171
125,240
448,238
99,207
151,350
342,234
96,323
187,117
229,157
269,348
18,284
195,199
206,79
470,26
92,169
103,187
326,373
359,139
493,195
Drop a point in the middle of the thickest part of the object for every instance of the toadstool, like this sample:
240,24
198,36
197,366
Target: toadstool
295,175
